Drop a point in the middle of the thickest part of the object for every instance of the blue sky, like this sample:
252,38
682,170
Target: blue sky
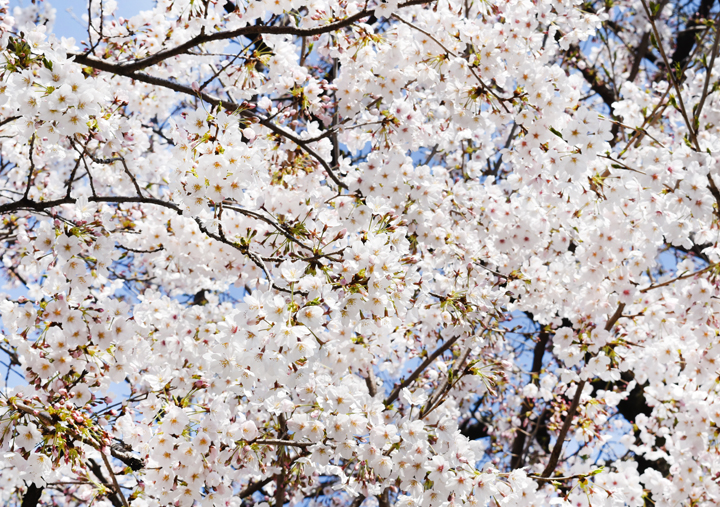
69,14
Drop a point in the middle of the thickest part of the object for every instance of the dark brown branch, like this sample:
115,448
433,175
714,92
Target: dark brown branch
252,30
32,496
597,84
14,359
639,55
254,487
280,487
715,192
358,500
71,178
615,317
97,470
32,167
527,404
25,203
384,498
396,392
431,155
8,120
122,452
118,489
17,275
685,41
555,456
227,105
370,382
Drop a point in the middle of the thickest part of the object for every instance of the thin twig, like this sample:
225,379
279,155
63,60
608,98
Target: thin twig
432,153
114,479
396,392
698,112
32,167
682,277
109,161
252,488
25,203
507,145
691,131
219,71
533,435
229,106
275,441
485,87
268,221
445,385
159,249
555,455
130,175
540,478
71,178
142,63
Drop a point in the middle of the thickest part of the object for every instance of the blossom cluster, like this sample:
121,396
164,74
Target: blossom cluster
356,252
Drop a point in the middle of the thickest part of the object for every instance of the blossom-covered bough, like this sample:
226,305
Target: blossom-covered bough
422,253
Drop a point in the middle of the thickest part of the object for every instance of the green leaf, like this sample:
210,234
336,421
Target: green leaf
556,132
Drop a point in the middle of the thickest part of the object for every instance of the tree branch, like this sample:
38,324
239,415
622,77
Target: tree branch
118,490
555,455
274,441
97,470
396,392
227,105
32,495
671,72
41,206
686,38
8,120
32,167
701,103
527,406
252,30
252,488
682,277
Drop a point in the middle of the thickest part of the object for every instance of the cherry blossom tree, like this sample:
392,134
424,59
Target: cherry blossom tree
415,253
